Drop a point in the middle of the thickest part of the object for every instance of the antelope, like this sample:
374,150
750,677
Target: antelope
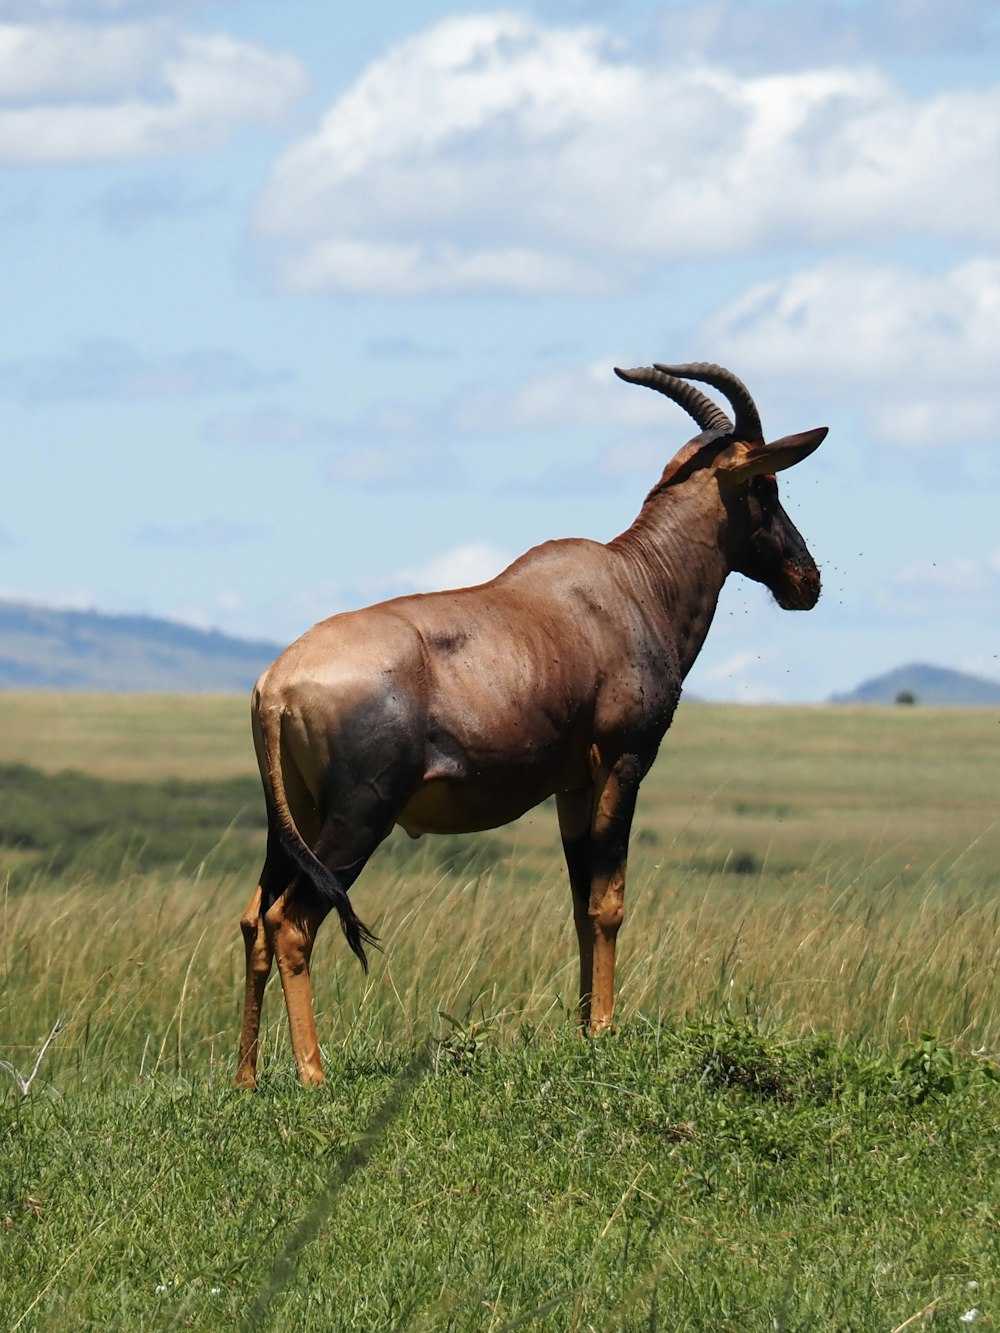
452,712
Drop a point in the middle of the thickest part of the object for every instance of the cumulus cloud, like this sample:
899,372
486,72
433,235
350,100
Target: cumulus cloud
918,350
747,676
79,92
493,152
863,319
911,353
461,567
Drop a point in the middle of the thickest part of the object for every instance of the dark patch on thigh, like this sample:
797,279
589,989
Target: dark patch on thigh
377,760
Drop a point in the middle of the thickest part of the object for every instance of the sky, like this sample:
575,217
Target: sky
308,305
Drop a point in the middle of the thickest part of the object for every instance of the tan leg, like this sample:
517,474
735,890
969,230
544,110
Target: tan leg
606,911
291,924
258,952
596,852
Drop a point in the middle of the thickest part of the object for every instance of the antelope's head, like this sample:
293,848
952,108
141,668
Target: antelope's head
761,540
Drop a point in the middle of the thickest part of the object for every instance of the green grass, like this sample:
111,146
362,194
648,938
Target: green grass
671,1177
769,1142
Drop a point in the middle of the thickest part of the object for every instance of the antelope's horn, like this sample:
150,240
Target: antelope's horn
747,426
697,405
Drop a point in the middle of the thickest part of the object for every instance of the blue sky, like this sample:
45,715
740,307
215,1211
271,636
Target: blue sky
308,305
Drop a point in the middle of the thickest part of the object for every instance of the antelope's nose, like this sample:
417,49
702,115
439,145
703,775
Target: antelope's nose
803,590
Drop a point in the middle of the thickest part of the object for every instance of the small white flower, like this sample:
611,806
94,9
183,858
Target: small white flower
970,1316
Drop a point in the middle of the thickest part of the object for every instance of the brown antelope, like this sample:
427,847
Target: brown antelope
451,712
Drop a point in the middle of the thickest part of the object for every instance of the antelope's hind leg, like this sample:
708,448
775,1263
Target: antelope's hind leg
345,843
365,780
291,924
277,874
595,824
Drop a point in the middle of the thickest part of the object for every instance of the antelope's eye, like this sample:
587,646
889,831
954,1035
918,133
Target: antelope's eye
763,495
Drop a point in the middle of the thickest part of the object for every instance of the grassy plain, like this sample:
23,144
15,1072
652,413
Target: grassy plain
769,1142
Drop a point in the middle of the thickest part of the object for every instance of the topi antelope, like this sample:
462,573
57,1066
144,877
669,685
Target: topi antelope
452,712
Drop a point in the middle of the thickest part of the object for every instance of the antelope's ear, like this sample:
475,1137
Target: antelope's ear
741,461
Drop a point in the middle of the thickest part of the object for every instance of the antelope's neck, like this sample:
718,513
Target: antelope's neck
675,558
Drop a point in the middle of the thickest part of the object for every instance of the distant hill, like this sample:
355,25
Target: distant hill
42,648
928,685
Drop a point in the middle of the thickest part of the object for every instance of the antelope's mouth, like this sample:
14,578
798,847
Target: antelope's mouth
801,591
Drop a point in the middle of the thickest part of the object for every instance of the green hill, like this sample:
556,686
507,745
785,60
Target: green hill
43,648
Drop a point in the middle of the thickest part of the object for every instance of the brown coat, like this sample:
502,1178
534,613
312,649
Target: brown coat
457,711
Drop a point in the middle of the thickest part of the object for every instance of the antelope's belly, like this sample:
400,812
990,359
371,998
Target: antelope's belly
467,806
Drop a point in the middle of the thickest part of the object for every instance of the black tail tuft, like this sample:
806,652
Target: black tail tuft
355,930
326,885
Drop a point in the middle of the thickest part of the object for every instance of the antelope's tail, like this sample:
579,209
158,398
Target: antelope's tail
267,724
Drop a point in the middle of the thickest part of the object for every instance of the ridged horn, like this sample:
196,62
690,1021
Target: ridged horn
696,404
748,427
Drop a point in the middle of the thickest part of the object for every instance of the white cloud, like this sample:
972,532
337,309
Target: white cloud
493,152
736,665
747,677
461,567
917,351
74,92
869,321
913,354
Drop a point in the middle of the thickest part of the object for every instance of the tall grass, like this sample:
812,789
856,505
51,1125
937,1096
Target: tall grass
146,972
814,868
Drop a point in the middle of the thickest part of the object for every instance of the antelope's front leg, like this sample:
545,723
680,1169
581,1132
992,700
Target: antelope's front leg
575,817
596,853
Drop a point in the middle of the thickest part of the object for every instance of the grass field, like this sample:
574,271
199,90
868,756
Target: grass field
771,1141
